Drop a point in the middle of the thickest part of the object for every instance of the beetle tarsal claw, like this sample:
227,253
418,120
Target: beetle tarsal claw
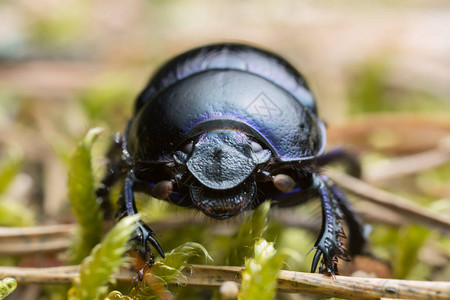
162,189
284,183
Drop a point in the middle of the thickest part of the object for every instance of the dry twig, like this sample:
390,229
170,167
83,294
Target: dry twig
57,238
395,203
409,164
37,239
408,133
288,281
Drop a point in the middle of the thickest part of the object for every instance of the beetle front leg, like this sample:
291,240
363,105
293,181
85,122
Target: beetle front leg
357,240
143,236
329,245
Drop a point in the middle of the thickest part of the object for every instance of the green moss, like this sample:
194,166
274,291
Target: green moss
108,99
7,286
104,259
169,271
10,166
252,229
15,214
82,197
371,91
259,279
400,246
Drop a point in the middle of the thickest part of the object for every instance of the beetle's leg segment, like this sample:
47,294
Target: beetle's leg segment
329,245
143,235
348,159
357,240
114,172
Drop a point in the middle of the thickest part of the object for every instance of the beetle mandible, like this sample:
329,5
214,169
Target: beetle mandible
222,128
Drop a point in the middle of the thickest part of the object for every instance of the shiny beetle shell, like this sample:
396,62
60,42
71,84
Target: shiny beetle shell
227,86
221,129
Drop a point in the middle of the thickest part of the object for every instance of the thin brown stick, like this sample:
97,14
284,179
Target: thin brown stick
412,133
407,165
57,238
52,275
32,240
14,232
288,281
24,248
396,203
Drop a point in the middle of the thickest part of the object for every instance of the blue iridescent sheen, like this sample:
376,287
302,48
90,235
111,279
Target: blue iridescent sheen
234,56
221,129
226,99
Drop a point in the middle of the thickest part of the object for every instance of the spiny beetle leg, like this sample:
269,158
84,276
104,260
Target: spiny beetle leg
143,235
114,173
329,246
144,238
358,231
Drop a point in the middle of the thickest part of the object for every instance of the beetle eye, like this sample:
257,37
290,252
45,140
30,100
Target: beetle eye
187,148
256,147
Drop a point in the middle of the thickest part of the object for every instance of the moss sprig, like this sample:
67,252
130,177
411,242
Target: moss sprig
7,286
105,259
253,228
169,271
10,166
82,196
259,279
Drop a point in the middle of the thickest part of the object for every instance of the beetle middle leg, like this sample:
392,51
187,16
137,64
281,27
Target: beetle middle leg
143,236
348,159
114,172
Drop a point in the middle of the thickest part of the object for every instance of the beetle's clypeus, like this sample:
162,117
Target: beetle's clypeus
222,128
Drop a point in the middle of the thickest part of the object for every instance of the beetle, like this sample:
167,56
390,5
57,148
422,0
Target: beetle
221,129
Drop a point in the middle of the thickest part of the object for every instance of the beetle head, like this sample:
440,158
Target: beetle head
221,162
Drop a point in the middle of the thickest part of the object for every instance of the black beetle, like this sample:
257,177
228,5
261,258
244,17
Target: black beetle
221,129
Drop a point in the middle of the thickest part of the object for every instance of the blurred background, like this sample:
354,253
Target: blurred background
380,71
